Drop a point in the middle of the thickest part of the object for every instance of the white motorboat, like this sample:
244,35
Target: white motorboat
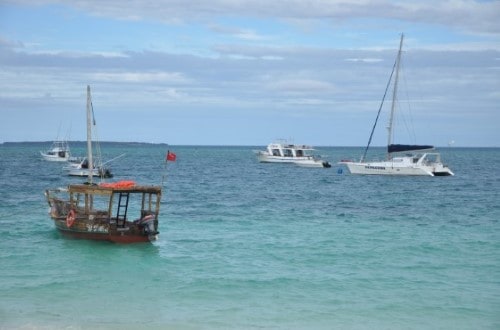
58,152
402,159
283,152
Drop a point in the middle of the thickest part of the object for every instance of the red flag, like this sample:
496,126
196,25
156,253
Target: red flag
171,156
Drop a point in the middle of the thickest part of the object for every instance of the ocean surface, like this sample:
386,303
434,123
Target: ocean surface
245,245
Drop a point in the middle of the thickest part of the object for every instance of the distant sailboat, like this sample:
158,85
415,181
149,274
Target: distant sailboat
89,165
422,163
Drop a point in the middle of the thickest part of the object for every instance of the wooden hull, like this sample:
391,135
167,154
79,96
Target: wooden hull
101,233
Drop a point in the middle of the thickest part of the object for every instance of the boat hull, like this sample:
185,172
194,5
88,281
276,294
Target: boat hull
301,161
85,173
392,168
122,239
86,230
55,158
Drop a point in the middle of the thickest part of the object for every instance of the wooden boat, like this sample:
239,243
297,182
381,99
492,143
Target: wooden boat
102,211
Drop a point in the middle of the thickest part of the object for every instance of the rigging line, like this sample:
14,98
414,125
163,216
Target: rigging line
97,143
379,110
407,116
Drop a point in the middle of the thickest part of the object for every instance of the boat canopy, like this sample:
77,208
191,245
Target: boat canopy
407,147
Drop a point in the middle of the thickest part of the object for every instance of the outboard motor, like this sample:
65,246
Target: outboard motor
148,224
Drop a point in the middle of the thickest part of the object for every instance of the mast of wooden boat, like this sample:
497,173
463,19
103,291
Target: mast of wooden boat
89,137
394,95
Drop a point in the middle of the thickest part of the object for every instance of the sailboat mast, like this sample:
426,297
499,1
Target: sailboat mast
394,94
89,136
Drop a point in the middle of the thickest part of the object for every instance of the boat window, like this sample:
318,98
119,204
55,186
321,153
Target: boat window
99,204
276,152
300,153
134,206
288,153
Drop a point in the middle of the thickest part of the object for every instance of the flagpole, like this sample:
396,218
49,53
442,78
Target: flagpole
169,157
165,171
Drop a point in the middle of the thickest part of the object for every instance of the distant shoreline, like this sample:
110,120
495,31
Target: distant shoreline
84,142
7,143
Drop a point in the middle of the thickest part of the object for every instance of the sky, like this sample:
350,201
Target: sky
248,72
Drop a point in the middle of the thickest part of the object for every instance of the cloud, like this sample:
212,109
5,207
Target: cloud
365,60
465,15
253,68
140,77
239,33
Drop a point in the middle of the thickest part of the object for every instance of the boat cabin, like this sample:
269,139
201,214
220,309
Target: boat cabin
113,212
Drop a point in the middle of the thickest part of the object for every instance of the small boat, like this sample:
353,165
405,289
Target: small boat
80,166
102,211
402,159
283,152
58,152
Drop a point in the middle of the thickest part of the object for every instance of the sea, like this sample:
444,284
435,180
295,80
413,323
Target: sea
247,245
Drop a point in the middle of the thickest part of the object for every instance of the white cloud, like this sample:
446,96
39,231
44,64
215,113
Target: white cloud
466,15
251,74
366,60
140,77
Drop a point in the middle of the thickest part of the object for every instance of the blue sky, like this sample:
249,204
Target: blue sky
249,72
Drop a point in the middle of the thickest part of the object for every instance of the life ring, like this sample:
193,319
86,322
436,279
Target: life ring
70,218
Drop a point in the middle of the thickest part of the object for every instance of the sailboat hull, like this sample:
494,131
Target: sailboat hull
386,168
416,166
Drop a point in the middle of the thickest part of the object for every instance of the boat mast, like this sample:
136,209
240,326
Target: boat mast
89,137
394,95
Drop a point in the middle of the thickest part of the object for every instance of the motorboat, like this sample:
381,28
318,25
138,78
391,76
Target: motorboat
284,152
58,152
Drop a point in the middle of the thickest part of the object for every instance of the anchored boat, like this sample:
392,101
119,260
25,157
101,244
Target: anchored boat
121,212
58,152
402,159
283,152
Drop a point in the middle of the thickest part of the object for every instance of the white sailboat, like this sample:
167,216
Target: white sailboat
402,159
88,165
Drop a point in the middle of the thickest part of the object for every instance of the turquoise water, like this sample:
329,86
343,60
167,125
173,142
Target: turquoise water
245,245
